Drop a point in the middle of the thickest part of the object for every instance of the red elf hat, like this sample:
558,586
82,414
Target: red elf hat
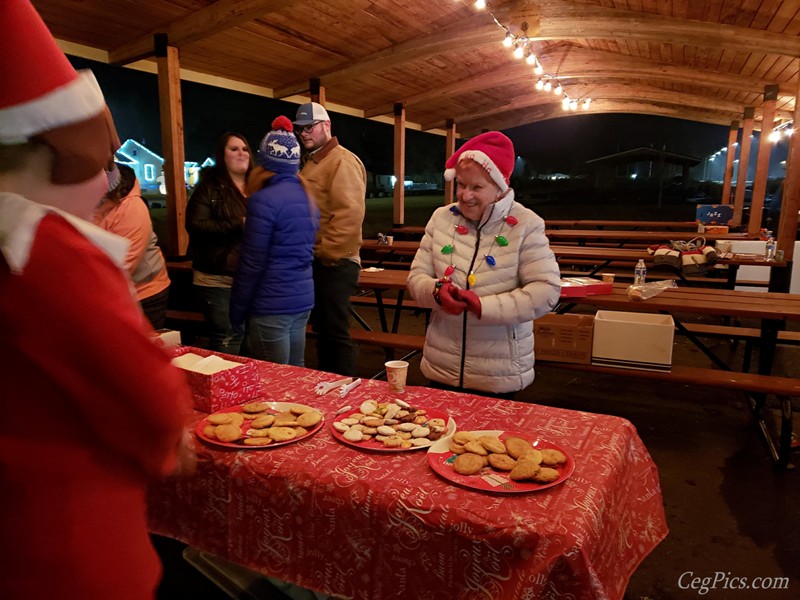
43,98
493,151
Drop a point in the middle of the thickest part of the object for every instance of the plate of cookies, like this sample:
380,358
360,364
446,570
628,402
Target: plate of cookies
259,424
390,427
500,461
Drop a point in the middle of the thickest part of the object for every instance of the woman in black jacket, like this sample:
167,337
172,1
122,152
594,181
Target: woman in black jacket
215,218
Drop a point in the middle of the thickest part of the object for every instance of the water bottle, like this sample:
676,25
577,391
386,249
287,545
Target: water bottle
770,253
640,273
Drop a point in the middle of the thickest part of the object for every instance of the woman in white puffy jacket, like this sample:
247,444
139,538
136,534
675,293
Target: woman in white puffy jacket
486,268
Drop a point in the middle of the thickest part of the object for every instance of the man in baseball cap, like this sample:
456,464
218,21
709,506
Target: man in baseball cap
310,113
336,179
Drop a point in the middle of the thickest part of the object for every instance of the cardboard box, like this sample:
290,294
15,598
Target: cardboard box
230,387
633,340
564,338
575,287
714,214
715,229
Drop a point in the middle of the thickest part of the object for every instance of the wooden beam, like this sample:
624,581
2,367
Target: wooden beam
171,107
399,164
474,30
197,25
564,19
575,64
601,93
726,180
449,149
744,165
762,161
316,91
554,111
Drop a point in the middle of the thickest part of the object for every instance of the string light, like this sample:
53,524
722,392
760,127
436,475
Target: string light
523,48
786,129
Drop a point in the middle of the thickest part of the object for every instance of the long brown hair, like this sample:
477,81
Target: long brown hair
219,157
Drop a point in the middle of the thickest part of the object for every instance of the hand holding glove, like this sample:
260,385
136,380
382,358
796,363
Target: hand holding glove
471,299
447,299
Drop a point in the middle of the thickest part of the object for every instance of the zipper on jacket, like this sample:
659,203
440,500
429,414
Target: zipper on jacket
464,320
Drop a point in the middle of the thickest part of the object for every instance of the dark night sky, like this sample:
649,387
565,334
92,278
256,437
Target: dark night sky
556,145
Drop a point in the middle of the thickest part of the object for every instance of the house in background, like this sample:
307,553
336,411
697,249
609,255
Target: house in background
145,163
149,167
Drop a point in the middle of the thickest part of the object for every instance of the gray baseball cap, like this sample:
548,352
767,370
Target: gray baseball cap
309,113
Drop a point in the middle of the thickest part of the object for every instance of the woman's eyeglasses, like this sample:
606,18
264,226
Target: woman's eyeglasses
307,128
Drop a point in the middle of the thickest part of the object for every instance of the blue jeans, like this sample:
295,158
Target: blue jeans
215,303
277,338
330,318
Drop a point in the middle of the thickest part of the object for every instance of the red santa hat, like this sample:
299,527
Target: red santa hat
43,98
491,150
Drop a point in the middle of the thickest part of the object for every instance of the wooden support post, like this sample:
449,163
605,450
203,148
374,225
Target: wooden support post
450,148
731,153
316,91
399,163
762,161
790,204
744,164
171,106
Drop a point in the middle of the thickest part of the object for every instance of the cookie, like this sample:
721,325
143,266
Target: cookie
220,418
545,475
462,437
210,431
475,448
552,457
300,409
516,447
255,407
237,418
468,464
501,462
353,435
525,468
457,448
263,421
258,441
282,434
492,443
258,433
285,419
228,432
309,419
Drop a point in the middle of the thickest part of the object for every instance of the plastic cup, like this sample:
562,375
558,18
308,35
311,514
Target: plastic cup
396,373
390,239
724,246
607,277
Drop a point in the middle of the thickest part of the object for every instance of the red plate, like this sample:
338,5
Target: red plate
375,446
489,480
274,409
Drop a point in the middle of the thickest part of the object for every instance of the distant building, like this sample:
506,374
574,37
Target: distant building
149,166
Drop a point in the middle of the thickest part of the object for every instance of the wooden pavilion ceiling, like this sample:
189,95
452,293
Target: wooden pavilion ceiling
692,59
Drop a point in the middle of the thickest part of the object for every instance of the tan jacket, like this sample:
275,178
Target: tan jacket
337,181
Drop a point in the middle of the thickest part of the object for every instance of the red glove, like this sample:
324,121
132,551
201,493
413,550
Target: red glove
471,299
448,299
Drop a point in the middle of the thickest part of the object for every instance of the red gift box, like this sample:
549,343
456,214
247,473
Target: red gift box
230,387
575,287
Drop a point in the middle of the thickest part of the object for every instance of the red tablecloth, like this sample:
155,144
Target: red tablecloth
365,525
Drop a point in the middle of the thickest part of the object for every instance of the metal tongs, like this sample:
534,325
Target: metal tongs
325,387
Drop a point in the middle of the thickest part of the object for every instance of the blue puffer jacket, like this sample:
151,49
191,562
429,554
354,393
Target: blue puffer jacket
274,274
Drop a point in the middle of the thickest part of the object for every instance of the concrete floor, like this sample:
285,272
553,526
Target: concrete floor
730,513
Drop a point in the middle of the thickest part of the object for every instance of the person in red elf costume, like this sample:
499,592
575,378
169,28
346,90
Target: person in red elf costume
486,269
91,407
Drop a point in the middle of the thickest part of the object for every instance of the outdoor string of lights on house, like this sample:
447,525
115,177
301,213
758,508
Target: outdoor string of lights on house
546,82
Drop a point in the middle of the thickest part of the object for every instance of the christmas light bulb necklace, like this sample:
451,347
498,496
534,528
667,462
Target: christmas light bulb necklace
488,258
